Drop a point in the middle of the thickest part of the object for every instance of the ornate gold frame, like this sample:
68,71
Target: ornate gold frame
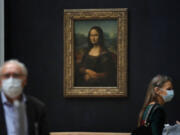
87,14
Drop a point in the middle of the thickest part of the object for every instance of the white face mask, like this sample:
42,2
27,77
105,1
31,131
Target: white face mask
12,87
169,96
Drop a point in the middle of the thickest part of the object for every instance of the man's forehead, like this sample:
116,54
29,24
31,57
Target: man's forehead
11,67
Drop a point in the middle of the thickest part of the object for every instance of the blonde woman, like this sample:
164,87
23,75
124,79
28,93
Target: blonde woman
159,92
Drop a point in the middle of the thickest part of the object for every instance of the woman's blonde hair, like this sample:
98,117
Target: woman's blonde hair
157,81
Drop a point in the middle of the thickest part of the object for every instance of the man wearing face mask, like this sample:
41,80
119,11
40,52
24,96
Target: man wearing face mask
19,114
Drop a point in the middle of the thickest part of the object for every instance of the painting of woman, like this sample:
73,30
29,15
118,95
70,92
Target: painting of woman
97,67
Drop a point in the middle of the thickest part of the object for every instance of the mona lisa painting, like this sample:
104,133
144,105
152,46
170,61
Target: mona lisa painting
95,53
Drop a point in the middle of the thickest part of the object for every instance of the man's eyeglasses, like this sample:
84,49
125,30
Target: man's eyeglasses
14,75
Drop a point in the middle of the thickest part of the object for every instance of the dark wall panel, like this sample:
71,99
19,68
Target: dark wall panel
34,35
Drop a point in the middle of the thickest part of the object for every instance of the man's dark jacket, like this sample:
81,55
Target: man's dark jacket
36,117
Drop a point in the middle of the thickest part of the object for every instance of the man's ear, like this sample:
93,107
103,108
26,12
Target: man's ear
0,81
156,90
24,82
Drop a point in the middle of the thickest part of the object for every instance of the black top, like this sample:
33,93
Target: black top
36,115
157,119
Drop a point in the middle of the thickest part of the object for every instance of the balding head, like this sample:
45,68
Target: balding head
14,63
15,69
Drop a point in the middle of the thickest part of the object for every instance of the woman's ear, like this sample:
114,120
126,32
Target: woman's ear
156,90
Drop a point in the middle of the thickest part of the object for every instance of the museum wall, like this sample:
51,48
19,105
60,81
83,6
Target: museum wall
34,35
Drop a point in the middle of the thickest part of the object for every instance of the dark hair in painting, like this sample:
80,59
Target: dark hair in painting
101,37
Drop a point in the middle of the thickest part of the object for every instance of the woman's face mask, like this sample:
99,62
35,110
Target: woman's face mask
166,91
169,96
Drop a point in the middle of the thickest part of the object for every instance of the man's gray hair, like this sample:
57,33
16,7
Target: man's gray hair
20,64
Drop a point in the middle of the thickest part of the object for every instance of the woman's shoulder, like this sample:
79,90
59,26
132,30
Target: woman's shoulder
158,106
158,111
155,109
